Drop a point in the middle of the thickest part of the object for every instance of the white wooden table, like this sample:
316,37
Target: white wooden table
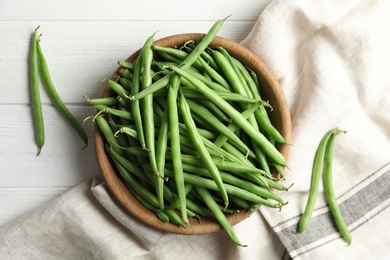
82,41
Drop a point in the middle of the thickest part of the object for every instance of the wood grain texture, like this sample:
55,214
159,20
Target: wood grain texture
82,44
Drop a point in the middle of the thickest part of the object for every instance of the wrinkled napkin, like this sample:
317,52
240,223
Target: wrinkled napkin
332,59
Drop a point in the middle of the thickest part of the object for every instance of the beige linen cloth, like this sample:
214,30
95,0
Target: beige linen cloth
332,59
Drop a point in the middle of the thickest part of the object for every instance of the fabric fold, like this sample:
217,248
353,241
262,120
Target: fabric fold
330,59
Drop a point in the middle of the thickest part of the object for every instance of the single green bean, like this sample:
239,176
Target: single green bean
35,95
162,142
329,191
147,111
108,133
222,220
228,96
121,91
135,106
107,101
175,141
315,182
127,130
125,83
126,64
126,73
116,112
148,116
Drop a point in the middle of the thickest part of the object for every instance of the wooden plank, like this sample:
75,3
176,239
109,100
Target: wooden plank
16,201
177,10
61,162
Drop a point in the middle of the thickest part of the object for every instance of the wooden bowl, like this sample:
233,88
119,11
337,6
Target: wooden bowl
280,117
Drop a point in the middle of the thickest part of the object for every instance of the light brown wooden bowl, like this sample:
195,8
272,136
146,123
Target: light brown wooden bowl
280,117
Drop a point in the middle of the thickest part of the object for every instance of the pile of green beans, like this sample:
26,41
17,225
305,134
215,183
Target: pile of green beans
323,162
39,69
189,133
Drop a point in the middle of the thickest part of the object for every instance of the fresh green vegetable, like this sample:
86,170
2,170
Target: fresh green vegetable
35,93
185,137
329,191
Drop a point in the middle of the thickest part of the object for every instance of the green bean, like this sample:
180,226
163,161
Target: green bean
218,113
137,150
135,106
241,86
191,58
122,140
240,203
315,182
211,147
211,84
175,55
107,101
208,117
124,103
214,74
175,203
250,184
129,131
125,83
108,134
227,96
205,56
222,220
160,214
221,139
172,95
269,149
224,166
174,217
35,95
231,189
126,73
200,148
148,117
148,196
229,72
175,145
161,148
203,132
261,116
329,191
126,64
122,92
235,152
116,112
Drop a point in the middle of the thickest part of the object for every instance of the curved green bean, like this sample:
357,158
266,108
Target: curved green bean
329,191
219,215
51,90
